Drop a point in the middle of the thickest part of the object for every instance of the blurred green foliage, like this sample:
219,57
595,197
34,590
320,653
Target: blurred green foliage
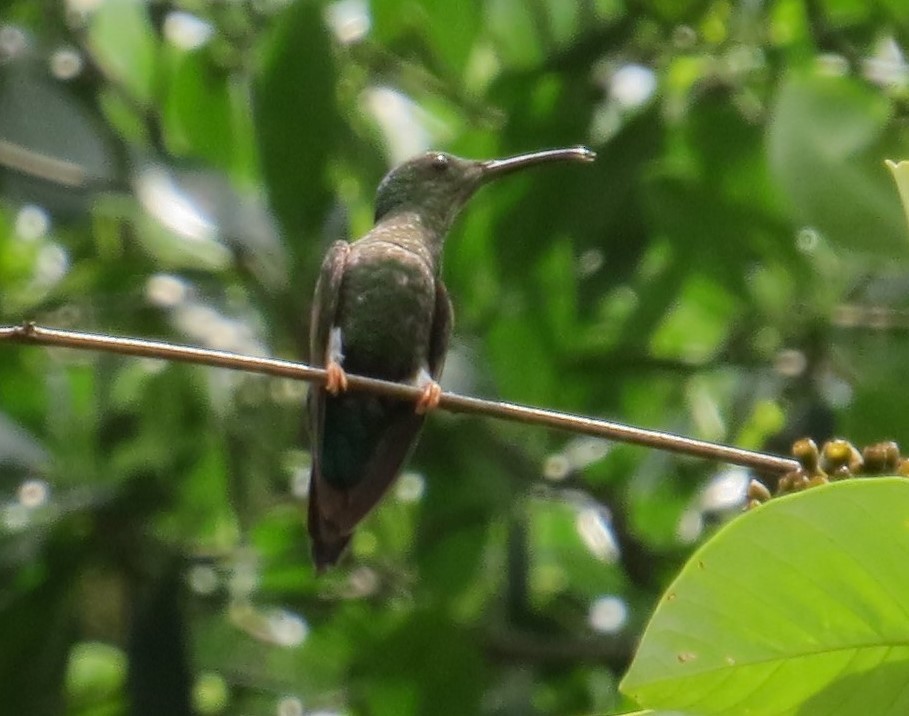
733,267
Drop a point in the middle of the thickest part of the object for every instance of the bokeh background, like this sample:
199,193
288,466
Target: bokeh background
733,267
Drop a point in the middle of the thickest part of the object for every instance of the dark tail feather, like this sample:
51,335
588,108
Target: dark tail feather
326,553
327,544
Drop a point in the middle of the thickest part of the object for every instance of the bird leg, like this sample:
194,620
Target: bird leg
336,380
432,392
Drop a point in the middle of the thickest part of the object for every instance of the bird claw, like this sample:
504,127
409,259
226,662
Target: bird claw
429,399
336,380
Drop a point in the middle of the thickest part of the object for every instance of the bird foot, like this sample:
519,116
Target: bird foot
336,380
429,400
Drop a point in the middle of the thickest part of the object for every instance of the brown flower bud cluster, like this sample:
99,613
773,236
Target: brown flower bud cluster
836,460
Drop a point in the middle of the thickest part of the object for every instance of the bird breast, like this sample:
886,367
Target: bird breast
386,311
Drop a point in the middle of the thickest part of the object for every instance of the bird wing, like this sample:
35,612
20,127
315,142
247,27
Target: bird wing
400,429
441,331
322,319
325,302
336,511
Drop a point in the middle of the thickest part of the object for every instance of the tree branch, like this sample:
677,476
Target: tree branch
30,333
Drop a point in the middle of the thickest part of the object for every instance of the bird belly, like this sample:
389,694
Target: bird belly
385,317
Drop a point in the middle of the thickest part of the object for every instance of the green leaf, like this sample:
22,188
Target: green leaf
427,665
95,677
450,29
199,109
37,573
513,27
453,28
826,145
534,378
675,11
697,323
799,602
123,43
297,121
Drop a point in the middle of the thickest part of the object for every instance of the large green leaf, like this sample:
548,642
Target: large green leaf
797,607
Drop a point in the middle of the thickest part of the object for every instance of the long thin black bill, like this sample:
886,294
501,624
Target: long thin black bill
498,167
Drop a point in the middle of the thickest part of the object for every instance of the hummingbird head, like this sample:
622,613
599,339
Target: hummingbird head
436,185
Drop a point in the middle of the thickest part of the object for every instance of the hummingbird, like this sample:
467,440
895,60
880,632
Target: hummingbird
381,310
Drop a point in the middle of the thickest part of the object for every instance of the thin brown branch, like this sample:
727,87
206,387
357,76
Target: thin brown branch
38,335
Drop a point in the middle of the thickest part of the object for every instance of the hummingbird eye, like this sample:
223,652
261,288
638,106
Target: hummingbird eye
440,162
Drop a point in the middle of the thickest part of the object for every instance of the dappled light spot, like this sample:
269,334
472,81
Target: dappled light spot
166,290
66,63
831,64
725,491
12,41
887,67
594,527
410,487
287,628
166,202
590,262
289,706
608,614
584,451
33,493
556,467
743,59
399,119
211,693
277,626
362,582
83,7
153,366
288,391
51,265
837,392
690,526
298,465
684,36
349,20
203,579
244,578
14,517
32,222
215,330
632,85
186,31
790,362
808,240
197,319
